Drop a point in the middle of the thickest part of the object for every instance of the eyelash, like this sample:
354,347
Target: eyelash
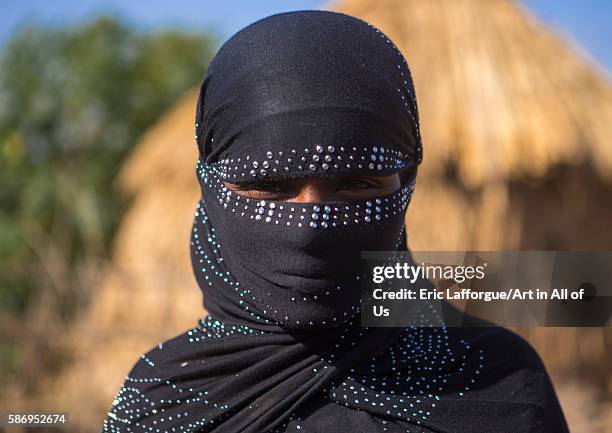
262,187
275,188
365,184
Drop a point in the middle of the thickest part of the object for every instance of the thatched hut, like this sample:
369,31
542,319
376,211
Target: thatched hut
516,125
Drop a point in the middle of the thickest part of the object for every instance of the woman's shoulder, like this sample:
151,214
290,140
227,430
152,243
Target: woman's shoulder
505,344
164,357
496,339
150,359
149,374
514,344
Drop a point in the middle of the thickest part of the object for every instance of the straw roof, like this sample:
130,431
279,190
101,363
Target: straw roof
165,152
500,95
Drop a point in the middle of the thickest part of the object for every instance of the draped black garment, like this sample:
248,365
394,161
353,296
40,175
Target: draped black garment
316,93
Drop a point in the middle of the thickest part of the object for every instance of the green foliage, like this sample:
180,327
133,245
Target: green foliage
72,104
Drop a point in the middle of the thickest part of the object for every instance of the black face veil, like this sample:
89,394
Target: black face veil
299,94
309,94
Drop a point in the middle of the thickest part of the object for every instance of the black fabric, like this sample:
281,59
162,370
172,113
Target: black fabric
302,78
316,94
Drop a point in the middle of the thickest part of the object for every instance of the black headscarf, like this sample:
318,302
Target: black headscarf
316,93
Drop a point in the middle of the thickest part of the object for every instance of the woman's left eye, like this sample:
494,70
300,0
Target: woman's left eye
260,187
267,187
355,184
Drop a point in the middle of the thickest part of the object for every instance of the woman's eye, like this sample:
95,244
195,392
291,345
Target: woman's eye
260,189
355,184
267,187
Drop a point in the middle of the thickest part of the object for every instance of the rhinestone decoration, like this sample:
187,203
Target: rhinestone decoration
210,266
406,93
374,160
407,381
303,214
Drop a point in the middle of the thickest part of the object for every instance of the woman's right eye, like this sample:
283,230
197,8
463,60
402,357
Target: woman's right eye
263,186
261,190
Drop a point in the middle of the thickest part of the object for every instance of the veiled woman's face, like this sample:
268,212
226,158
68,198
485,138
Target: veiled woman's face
311,190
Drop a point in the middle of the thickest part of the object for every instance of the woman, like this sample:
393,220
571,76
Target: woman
308,137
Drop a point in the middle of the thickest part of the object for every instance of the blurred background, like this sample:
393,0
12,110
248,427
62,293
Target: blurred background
98,187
